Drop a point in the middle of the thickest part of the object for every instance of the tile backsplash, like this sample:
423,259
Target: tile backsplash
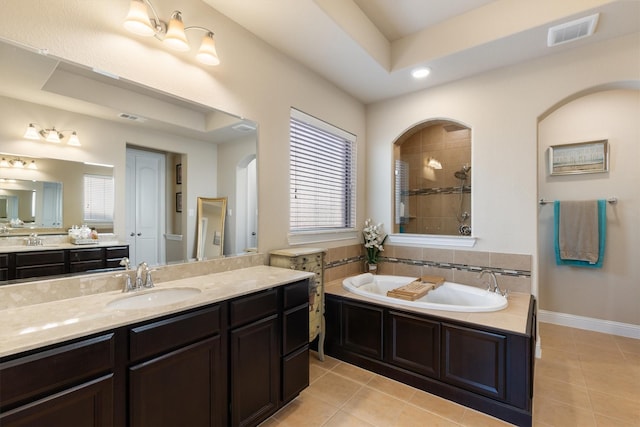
513,271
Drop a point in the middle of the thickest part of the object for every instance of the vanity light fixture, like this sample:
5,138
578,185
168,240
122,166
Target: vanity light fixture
17,163
171,34
51,135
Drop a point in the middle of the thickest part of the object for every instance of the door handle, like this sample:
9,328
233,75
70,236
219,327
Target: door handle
132,234
139,234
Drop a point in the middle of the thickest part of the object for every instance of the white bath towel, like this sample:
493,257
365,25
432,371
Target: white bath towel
362,279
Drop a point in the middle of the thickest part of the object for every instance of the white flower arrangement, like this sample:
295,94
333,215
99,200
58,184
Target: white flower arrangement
374,239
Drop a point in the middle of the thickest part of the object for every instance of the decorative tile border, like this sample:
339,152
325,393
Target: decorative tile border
443,190
435,264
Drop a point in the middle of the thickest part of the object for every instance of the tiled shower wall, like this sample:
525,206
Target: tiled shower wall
435,200
513,271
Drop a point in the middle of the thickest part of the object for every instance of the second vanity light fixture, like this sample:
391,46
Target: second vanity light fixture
172,34
51,135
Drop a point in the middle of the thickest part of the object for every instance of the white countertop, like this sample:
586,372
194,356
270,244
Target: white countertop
32,326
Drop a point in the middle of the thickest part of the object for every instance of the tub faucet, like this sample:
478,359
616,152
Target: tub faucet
495,288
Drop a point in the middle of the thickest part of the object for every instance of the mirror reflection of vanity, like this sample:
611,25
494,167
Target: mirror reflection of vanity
211,222
50,197
111,115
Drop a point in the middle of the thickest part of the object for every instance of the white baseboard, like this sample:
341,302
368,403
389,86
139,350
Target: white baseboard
590,324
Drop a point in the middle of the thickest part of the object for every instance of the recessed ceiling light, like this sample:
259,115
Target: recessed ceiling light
421,73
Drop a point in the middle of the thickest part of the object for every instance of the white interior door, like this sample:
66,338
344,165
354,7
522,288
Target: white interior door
145,206
51,207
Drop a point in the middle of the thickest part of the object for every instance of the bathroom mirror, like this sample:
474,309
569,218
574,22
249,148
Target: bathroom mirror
432,180
49,91
210,228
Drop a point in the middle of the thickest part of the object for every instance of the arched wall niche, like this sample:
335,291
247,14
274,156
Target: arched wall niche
432,179
609,295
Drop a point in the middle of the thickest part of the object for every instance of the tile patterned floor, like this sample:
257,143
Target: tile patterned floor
583,379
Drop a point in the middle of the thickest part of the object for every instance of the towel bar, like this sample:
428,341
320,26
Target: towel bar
611,201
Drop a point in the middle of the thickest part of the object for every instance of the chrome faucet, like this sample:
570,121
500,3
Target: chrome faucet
34,240
495,288
147,282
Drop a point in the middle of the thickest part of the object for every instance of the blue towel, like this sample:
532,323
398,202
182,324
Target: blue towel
602,231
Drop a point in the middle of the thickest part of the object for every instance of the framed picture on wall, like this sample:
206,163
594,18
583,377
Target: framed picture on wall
179,173
578,158
179,201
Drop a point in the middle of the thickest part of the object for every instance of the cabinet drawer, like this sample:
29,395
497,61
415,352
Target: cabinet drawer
24,259
157,337
4,260
92,254
40,271
253,307
296,294
295,328
117,252
77,267
52,370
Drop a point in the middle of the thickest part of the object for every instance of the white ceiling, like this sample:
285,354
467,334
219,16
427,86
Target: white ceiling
369,47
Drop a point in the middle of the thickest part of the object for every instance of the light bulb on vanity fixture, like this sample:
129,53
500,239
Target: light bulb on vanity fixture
171,34
51,135
18,163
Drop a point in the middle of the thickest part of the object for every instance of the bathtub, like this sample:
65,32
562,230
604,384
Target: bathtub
448,296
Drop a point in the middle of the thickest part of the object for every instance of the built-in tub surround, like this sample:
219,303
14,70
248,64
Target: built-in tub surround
42,291
513,271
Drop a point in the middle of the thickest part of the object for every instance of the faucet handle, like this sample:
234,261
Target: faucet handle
148,281
125,263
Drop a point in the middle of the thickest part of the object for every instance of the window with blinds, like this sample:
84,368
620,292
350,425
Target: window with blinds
322,176
98,198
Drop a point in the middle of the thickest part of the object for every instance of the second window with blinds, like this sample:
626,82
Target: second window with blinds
322,177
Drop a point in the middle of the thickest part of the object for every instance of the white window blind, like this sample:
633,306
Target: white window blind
98,198
322,175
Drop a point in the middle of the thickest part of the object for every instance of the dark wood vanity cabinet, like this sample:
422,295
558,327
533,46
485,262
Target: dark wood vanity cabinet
176,374
232,363
487,369
38,263
4,267
88,259
268,351
70,384
52,262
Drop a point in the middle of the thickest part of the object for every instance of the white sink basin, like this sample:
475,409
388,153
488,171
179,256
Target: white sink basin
153,298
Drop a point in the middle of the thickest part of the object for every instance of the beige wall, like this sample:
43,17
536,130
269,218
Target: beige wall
502,109
253,81
613,292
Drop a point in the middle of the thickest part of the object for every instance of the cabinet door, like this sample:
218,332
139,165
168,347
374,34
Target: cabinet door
178,388
255,375
362,329
474,360
414,343
88,404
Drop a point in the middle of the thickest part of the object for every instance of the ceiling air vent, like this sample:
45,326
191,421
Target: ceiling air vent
573,30
131,117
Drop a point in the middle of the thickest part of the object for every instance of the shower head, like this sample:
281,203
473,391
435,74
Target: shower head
463,173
